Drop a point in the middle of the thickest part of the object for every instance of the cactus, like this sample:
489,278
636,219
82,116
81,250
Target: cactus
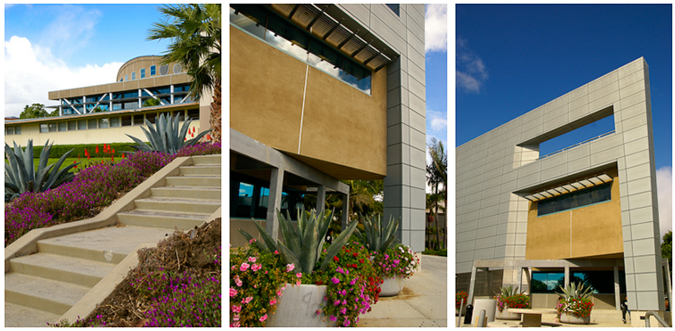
378,237
165,136
574,291
303,247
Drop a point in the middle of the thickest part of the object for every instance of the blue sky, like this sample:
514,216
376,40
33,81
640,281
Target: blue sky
52,47
436,62
513,58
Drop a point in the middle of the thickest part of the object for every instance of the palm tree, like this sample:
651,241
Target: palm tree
437,174
194,31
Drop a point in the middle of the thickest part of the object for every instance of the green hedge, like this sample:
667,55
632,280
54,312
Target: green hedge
58,150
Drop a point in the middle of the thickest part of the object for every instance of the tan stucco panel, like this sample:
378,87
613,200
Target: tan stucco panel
266,87
579,233
345,126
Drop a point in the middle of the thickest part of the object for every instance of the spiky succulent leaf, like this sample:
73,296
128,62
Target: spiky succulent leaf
310,243
291,238
337,244
260,244
290,257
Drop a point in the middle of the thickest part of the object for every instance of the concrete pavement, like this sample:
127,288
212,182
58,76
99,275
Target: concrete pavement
423,301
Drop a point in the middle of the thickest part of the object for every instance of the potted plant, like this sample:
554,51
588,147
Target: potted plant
574,304
395,262
509,297
325,272
460,301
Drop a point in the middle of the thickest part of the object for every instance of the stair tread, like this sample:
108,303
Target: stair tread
146,212
194,188
66,263
21,316
174,199
53,290
121,240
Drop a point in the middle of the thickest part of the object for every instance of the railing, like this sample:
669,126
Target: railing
658,318
575,145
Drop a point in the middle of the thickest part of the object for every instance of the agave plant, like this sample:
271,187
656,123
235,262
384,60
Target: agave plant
508,291
378,237
21,176
303,247
575,291
165,136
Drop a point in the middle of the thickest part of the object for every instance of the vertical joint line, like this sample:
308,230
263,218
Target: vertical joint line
302,114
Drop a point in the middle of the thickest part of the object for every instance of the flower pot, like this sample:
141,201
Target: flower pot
506,315
391,286
297,306
463,310
572,319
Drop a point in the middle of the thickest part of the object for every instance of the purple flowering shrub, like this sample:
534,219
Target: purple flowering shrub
256,281
186,299
398,260
93,188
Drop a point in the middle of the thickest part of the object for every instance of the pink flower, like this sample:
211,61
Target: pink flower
333,318
236,317
347,323
273,302
337,302
290,267
276,252
335,280
279,293
298,282
247,300
236,308
352,282
233,292
299,275
256,267
244,266
235,324
343,311
252,241
251,259
318,311
262,319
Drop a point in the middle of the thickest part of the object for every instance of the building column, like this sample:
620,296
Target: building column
320,199
520,279
472,284
274,202
617,289
567,276
345,210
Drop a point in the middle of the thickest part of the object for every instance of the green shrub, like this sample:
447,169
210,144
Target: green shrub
78,150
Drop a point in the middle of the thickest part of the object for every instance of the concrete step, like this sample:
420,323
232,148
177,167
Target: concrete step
61,268
597,316
208,159
210,193
194,181
107,245
165,220
21,316
40,293
192,206
206,169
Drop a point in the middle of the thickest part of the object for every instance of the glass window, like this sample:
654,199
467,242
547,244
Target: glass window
91,124
152,70
193,114
72,125
548,282
395,8
17,129
117,106
133,75
44,128
126,78
151,117
52,127
103,123
82,124
126,120
138,119
10,130
576,199
131,105
143,73
114,122
63,126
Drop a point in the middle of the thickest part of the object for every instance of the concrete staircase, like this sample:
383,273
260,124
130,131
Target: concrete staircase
41,287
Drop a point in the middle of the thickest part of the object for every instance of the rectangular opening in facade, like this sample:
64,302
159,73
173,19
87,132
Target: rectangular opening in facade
577,137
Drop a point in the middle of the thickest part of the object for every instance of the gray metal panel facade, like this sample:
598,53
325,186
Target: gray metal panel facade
405,183
492,220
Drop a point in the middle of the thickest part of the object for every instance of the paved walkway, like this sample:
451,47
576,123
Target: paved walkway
423,301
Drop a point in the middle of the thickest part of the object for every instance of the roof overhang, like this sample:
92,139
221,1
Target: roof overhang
570,187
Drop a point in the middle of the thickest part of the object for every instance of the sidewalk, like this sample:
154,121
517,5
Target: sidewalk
423,301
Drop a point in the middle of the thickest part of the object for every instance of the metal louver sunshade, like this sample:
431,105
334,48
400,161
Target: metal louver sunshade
569,187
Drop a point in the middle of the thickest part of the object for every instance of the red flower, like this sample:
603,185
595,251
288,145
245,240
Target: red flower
336,259
208,136
354,255
122,155
360,260
96,148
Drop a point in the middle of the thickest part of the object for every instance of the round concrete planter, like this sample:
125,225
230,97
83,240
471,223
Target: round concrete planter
490,306
506,315
463,310
571,319
391,286
298,305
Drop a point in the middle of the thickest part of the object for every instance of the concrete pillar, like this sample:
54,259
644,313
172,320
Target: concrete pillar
345,210
567,276
617,289
320,199
520,279
472,284
274,202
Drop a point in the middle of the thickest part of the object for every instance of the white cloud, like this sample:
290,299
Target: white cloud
664,186
436,28
70,30
471,72
32,71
